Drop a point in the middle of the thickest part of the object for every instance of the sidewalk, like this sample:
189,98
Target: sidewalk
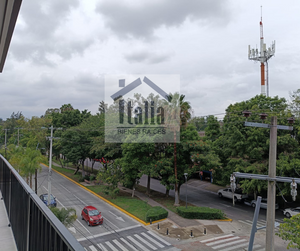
6,236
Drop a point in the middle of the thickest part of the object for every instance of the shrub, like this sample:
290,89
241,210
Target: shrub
92,177
156,213
200,213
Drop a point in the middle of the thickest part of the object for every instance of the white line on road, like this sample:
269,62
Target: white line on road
137,243
161,239
102,247
235,247
110,222
128,244
221,241
229,244
216,238
120,245
111,246
106,233
83,227
152,240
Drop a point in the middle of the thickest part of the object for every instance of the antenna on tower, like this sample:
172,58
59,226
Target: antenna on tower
263,56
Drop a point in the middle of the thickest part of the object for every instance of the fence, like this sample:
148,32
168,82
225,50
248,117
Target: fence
34,226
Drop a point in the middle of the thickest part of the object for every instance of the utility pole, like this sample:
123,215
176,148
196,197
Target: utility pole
270,231
50,167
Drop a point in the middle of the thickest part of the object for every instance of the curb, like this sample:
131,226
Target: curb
107,201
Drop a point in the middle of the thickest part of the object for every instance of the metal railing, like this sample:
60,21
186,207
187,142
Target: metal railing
34,226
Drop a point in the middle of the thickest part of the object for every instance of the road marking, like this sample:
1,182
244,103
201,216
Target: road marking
117,217
65,188
111,246
102,247
128,244
106,233
72,229
80,200
221,241
120,245
216,238
110,222
257,223
137,243
145,242
84,228
157,237
154,241
229,244
235,247
93,248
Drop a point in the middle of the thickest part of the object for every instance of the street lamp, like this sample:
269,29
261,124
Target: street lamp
185,175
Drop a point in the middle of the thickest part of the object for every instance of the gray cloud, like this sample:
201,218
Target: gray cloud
38,34
144,56
140,21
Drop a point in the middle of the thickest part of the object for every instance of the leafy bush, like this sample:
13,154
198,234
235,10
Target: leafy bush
92,177
200,213
156,213
81,179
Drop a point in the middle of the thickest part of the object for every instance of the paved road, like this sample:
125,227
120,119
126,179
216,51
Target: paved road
202,197
118,229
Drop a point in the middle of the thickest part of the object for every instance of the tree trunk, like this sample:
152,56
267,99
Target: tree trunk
148,185
83,172
133,189
167,192
77,169
176,204
61,162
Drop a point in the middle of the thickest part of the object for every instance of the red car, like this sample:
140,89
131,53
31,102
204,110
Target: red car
92,216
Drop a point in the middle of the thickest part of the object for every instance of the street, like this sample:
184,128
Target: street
117,231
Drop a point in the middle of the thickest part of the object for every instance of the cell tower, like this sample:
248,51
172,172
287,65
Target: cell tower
262,56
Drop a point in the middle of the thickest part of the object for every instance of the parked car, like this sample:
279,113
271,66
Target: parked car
263,204
44,198
289,212
227,193
91,215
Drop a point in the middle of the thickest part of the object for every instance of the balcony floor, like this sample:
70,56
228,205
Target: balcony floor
7,239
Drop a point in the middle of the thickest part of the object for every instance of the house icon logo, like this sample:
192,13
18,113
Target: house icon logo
139,109
134,84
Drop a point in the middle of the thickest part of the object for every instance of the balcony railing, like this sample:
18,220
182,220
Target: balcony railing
34,226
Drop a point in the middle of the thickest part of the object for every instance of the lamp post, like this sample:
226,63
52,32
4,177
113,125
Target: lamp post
185,175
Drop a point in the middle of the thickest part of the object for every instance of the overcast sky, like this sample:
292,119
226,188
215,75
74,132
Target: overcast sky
61,50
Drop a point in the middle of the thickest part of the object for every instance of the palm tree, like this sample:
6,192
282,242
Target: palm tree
66,216
177,104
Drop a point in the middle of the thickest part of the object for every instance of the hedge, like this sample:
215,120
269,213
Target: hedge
156,213
200,213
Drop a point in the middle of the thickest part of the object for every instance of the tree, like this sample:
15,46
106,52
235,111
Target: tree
111,175
212,131
246,149
199,123
66,215
290,231
176,102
